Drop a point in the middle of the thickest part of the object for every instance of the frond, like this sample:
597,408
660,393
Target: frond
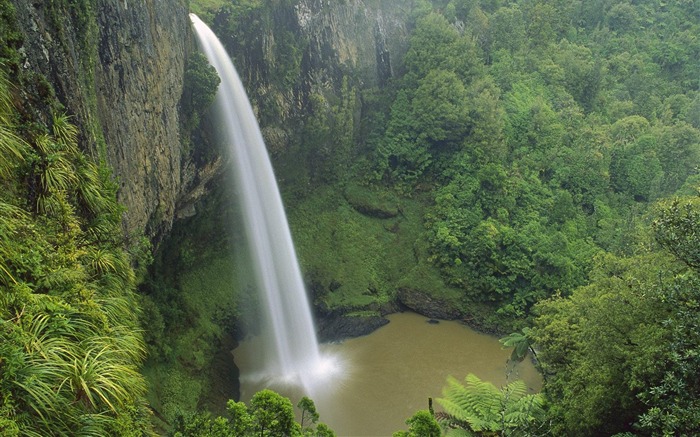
65,132
125,344
38,382
459,432
477,403
57,173
90,187
12,150
6,106
117,309
525,409
94,425
519,341
102,261
514,391
44,145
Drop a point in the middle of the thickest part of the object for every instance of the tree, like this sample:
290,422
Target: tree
401,157
483,409
421,424
430,45
272,415
308,412
521,342
268,414
440,110
507,29
678,153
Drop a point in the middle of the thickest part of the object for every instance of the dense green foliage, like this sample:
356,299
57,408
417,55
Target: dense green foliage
525,138
533,161
190,331
268,414
512,169
70,341
421,424
621,354
198,91
479,408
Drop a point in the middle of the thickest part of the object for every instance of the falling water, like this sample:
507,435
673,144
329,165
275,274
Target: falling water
293,353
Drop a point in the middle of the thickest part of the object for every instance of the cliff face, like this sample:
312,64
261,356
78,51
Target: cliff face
117,67
288,51
138,78
360,36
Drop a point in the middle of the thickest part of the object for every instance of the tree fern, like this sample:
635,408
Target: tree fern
479,407
520,342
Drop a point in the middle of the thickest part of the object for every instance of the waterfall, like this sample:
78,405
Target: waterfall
292,351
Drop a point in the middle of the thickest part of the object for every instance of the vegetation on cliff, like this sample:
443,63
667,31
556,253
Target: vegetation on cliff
70,341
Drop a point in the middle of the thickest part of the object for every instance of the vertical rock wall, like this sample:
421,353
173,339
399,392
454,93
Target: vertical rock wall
141,53
363,36
117,67
362,40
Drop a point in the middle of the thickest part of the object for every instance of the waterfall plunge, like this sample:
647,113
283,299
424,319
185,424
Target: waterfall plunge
292,354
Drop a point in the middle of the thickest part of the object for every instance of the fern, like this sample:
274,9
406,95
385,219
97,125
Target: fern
479,407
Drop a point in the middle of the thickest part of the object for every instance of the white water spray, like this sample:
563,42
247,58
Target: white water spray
293,354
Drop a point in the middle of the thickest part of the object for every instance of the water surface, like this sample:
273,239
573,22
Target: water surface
389,375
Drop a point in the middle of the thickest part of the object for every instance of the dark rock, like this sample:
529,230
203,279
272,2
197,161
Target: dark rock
427,305
391,308
224,377
433,321
340,327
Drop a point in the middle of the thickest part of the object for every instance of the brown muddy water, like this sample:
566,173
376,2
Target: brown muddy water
385,377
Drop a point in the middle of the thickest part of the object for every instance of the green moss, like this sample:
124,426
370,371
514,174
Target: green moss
379,203
353,260
10,38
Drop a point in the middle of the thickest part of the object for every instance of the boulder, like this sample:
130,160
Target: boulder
340,327
429,306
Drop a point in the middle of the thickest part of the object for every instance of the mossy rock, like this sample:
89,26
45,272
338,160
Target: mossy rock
372,202
424,292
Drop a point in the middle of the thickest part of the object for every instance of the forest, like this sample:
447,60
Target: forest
532,166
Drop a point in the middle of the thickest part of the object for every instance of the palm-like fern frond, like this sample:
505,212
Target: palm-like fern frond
89,186
12,148
477,403
98,378
458,432
478,406
519,341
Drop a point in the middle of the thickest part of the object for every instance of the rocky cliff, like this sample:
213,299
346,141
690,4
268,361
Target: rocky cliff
287,51
360,37
117,67
139,75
